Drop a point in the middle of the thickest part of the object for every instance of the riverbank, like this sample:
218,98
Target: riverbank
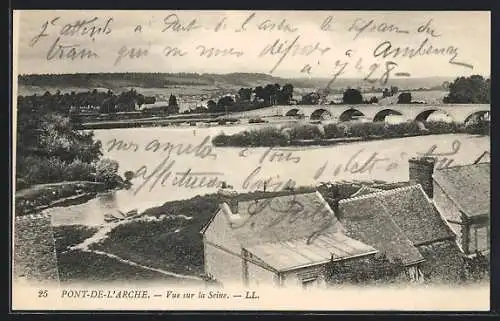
331,134
42,196
192,120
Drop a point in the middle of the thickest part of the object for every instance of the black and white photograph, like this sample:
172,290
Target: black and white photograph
272,160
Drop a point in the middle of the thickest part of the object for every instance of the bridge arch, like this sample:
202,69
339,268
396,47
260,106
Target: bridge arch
380,116
349,114
293,112
476,115
320,114
424,115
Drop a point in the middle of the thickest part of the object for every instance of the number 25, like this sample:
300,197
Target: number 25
42,293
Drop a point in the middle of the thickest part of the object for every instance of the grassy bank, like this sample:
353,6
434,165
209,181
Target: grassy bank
329,134
174,243
97,267
41,196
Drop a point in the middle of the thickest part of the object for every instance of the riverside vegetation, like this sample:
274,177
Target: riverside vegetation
343,132
54,160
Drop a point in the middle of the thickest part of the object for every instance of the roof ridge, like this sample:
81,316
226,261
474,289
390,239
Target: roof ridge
365,188
286,195
382,192
33,216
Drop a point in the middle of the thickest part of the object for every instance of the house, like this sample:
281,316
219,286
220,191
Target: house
462,194
281,241
159,106
403,224
34,251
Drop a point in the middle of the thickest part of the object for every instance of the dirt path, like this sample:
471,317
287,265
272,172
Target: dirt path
102,234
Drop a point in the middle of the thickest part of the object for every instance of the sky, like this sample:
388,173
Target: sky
122,46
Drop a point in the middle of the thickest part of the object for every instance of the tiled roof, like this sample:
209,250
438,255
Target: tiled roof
367,219
287,255
416,215
364,190
395,221
468,186
282,218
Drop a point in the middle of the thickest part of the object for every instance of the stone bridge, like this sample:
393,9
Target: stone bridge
373,112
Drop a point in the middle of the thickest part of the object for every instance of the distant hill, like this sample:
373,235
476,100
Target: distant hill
232,80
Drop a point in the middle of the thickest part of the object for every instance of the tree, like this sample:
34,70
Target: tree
373,100
310,99
269,93
286,94
225,103
469,90
404,98
173,107
352,96
244,94
386,93
260,93
211,106
108,105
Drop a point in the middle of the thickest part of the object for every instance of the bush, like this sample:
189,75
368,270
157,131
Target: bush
481,127
79,171
477,268
268,136
220,140
366,129
372,270
335,130
441,127
305,132
403,129
107,172
36,170
256,121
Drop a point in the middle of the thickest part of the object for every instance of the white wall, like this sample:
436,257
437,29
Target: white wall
258,276
222,251
223,266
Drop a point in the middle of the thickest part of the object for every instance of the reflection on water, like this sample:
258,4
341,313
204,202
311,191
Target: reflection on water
236,169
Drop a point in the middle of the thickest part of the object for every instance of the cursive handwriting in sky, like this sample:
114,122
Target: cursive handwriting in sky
353,44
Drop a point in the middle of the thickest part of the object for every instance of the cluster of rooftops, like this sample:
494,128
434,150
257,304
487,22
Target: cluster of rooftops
300,230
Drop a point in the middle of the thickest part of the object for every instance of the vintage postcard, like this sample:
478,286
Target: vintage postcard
251,160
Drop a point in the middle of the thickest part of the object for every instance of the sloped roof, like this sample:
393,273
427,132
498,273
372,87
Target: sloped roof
415,214
395,221
367,219
364,190
468,186
282,218
287,255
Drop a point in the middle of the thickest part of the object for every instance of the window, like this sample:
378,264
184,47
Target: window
479,238
308,283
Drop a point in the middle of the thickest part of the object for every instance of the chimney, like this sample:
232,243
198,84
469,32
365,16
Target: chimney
421,170
229,197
